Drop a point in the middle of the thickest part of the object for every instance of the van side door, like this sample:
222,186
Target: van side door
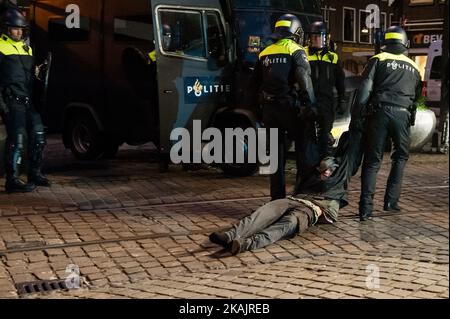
192,64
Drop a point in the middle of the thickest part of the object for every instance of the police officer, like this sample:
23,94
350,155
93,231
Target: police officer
388,94
327,74
282,74
17,72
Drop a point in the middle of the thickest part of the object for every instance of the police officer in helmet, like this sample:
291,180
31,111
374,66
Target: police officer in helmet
22,121
387,104
327,74
281,77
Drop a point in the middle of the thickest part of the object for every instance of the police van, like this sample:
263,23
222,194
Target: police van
433,75
104,88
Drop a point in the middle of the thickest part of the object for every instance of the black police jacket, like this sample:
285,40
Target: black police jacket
326,73
16,67
283,71
388,79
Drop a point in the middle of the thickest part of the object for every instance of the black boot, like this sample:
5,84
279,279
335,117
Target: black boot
13,160
38,179
16,185
220,238
365,216
392,207
35,175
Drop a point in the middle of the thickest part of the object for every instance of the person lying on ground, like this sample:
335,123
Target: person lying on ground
317,199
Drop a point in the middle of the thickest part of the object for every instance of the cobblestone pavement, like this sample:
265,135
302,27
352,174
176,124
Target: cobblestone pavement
138,233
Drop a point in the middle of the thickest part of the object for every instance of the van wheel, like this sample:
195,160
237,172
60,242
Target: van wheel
238,169
85,139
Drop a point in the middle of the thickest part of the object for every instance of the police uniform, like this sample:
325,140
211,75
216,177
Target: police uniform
389,92
22,121
327,74
152,57
282,71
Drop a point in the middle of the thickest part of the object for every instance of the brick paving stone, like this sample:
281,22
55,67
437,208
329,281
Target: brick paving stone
411,249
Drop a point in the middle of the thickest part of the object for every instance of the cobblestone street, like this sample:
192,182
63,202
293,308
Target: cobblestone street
137,233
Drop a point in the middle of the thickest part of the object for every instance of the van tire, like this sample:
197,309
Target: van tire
240,170
84,138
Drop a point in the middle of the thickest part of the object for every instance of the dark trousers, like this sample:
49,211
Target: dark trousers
388,122
284,117
23,121
277,220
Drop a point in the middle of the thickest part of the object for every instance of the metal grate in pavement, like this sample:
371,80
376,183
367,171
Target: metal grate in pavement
41,286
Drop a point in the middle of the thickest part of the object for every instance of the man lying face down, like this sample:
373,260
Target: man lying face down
317,199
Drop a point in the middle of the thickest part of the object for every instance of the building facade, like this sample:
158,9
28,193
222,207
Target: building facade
348,23
422,19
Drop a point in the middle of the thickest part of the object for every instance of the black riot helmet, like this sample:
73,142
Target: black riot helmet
12,18
318,28
288,26
395,37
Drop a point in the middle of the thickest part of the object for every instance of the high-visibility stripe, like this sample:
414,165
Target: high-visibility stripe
337,132
10,47
394,36
284,46
152,56
330,57
397,57
283,23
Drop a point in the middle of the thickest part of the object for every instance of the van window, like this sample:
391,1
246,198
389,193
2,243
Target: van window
136,28
58,31
182,33
436,68
216,36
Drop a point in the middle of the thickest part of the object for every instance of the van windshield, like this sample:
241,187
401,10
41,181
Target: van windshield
303,6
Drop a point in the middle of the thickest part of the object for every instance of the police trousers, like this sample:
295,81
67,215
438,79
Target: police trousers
23,121
285,117
388,122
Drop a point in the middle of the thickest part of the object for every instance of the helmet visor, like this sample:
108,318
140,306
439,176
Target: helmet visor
317,40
